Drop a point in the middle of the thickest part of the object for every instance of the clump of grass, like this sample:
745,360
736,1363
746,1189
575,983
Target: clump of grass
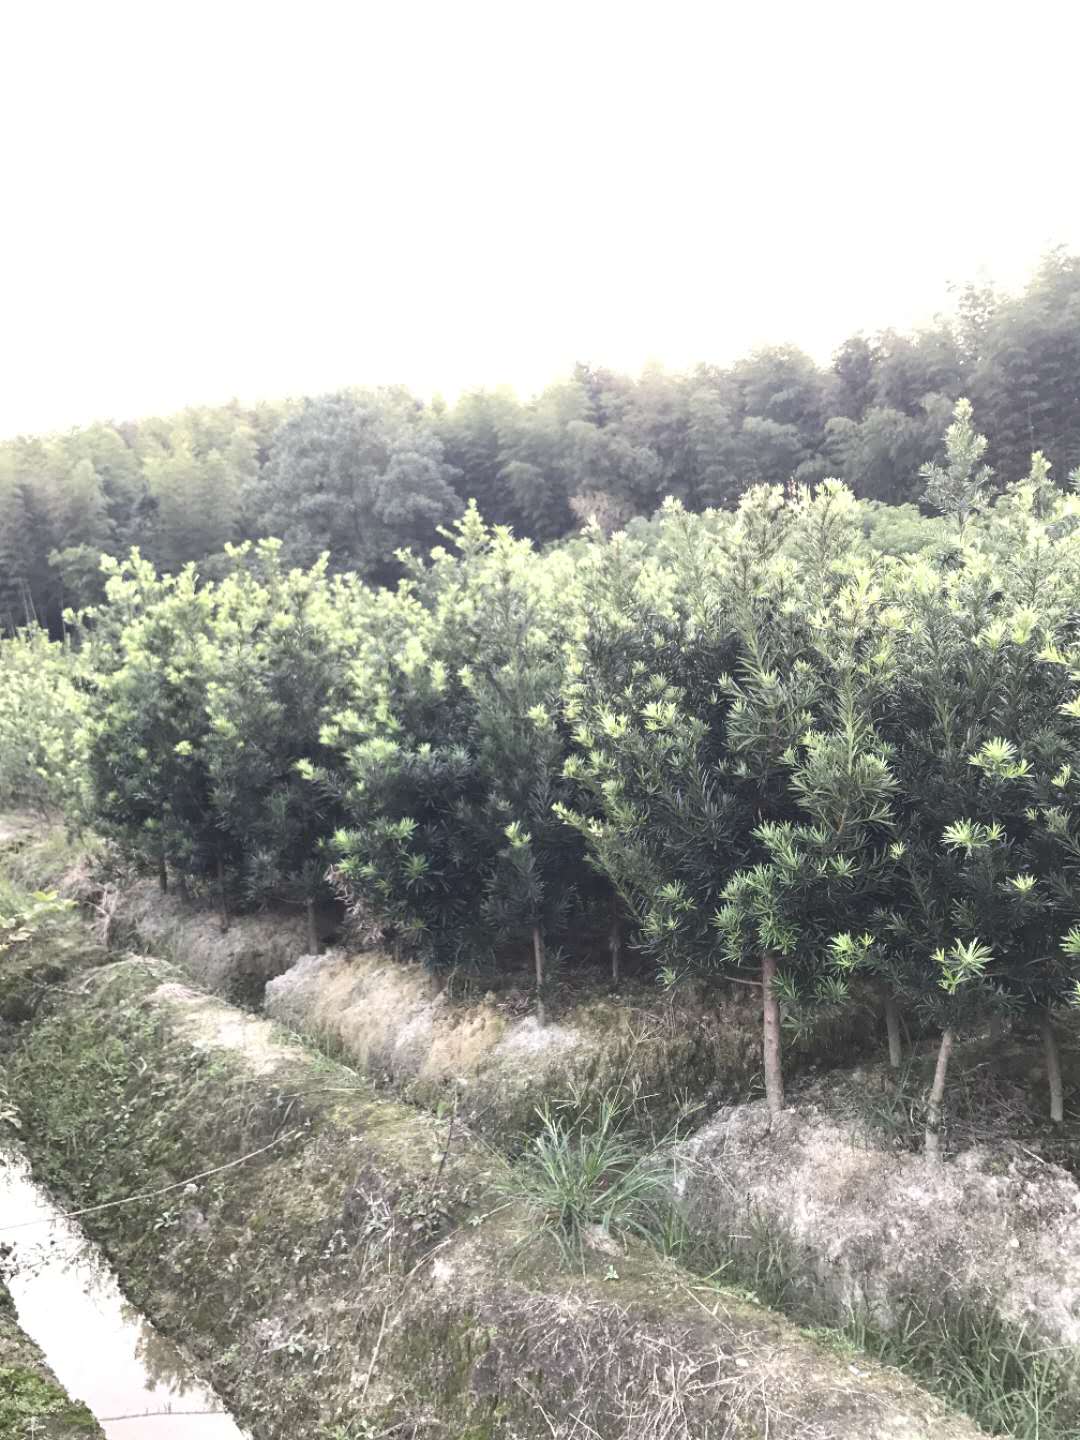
760,1261
591,1173
895,1112
1008,1380
756,1262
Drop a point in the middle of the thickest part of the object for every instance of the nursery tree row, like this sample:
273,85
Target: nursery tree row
745,743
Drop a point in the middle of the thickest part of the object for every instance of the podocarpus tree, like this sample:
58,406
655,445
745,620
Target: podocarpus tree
520,740
959,487
956,927
276,667
147,761
1001,894
683,758
43,724
412,850
656,632
1054,980
937,715
455,746
648,645
824,798
1034,534
1042,885
508,615
1020,758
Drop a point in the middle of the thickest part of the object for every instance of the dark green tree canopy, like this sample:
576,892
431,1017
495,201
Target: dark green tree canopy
361,473
358,475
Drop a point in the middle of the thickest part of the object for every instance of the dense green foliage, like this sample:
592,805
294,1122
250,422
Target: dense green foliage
43,723
360,473
751,741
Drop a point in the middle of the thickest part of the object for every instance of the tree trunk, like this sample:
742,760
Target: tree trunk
312,928
615,940
162,873
937,1096
892,1027
538,960
222,902
1053,1066
770,1036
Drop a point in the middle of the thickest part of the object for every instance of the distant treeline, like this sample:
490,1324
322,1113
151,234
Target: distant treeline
362,473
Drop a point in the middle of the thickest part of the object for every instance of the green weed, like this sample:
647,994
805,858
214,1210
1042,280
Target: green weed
1005,1378
756,1263
577,1176
32,1404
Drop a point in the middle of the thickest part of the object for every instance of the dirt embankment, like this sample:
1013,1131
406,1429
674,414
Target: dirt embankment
338,1263
866,1229
862,1228
32,1401
236,961
398,1024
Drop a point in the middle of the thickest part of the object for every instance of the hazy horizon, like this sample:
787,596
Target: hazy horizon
256,203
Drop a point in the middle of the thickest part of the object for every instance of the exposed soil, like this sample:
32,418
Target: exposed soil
869,1227
397,1025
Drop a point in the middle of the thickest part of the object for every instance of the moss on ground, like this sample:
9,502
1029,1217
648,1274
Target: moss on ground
351,1270
31,1399
339,1269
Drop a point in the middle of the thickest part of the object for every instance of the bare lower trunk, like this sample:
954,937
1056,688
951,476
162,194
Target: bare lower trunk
997,1033
162,874
1053,1067
892,1027
223,904
538,960
312,928
615,941
770,1036
937,1096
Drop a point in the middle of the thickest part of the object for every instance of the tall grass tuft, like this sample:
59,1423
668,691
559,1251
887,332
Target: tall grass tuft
1010,1381
1007,1380
590,1173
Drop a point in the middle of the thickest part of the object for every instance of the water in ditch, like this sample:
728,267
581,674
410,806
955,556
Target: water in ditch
104,1353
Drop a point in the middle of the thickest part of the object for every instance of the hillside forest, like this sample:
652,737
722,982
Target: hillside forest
359,475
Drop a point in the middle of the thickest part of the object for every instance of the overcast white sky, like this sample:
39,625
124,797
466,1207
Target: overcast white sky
209,199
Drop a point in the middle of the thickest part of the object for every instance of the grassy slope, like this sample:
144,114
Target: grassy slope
347,1277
